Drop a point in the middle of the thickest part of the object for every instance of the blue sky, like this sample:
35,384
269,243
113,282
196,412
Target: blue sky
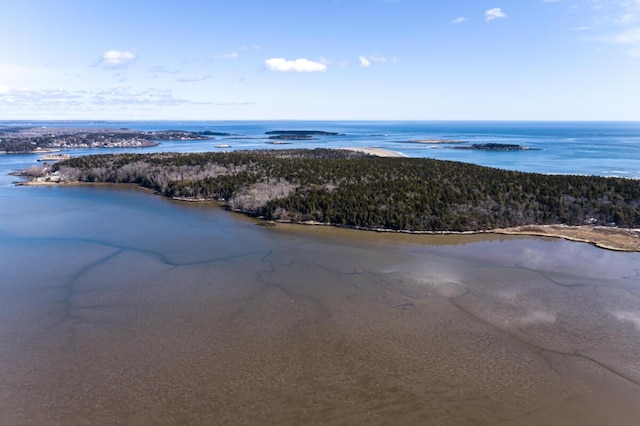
320,59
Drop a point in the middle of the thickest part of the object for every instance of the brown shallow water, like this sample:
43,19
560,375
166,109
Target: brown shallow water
119,307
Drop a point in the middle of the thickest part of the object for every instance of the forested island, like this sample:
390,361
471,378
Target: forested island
302,133
348,188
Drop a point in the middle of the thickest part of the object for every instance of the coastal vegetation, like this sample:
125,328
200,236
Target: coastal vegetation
350,188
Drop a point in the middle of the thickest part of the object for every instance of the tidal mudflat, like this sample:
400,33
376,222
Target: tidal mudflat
120,307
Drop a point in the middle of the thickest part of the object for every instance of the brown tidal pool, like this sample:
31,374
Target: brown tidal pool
118,307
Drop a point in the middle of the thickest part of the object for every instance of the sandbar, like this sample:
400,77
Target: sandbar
379,152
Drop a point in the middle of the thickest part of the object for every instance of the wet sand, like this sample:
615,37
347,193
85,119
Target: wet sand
610,238
188,315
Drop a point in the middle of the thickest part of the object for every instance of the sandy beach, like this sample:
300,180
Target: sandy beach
379,152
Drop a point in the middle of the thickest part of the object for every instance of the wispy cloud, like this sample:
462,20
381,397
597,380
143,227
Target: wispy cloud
230,55
197,60
367,61
208,59
617,23
626,37
127,96
55,100
341,63
26,100
193,79
630,39
161,69
297,65
459,20
493,14
117,58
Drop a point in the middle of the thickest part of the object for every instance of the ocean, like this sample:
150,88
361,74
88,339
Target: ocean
583,148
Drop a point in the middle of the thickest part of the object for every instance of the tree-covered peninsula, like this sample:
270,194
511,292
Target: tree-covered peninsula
349,188
17,140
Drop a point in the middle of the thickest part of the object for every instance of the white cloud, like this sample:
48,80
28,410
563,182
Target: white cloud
459,20
364,62
298,65
4,89
117,58
495,13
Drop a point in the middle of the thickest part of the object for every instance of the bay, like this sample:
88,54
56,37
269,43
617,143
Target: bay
121,307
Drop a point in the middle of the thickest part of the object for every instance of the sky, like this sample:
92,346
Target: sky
320,60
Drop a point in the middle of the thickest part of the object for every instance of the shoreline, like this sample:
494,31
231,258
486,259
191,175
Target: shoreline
378,152
607,238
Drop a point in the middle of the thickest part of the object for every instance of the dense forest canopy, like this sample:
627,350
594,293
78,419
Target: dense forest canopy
353,189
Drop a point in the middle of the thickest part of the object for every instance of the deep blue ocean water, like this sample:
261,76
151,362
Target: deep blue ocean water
585,148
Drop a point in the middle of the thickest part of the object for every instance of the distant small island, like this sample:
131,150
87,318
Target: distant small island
302,133
279,142
211,133
292,137
494,147
435,141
